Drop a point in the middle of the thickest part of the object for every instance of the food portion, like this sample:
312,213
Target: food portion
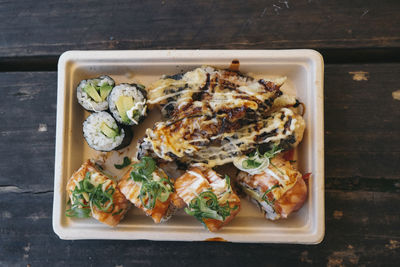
214,116
202,105
127,103
102,132
211,117
272,183
283,128
149,188
209,198
92,194
208,90
92,93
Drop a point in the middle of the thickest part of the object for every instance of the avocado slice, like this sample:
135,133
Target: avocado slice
124,103
92,92
108,131
105,90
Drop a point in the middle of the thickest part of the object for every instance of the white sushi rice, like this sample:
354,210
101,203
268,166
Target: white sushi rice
86,101
93,135
139,101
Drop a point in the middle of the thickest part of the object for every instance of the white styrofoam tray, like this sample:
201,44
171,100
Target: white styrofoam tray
304,71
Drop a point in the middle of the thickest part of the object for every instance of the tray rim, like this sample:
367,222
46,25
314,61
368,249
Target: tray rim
83,55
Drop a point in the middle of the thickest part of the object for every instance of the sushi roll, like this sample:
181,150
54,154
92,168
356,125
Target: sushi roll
102,132
208,196
92,93
150,189
278,189
93,194
127,103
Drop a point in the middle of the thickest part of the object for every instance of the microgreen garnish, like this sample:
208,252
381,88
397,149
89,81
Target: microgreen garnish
206,206
125,163
85,196
151,189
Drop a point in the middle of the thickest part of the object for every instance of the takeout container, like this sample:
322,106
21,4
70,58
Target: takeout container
304,72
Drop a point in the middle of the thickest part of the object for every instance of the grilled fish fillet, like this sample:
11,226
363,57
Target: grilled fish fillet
279,190
121,205
198,180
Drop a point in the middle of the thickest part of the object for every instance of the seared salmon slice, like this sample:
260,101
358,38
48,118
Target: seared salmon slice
208,197
92,193
279,190
149,189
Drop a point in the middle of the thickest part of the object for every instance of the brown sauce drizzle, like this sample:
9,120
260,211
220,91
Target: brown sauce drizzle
235,64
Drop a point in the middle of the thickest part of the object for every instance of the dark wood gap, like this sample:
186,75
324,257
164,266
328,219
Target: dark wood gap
331,56
362,184
35,63
360,55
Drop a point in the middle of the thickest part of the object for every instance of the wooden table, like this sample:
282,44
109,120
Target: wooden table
360,41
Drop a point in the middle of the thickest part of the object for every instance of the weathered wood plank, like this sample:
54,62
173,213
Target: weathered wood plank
361,230
27,130
362,121
32,28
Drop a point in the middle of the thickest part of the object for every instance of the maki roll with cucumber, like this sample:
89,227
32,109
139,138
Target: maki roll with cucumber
127,103
102,132
92,93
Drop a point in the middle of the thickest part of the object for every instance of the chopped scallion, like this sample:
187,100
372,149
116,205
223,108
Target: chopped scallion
126,162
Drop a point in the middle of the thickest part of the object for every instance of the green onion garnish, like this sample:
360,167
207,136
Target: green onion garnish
206,206
86,195
273,151
256,160
150,190
117,212
125,163
251,164
265,195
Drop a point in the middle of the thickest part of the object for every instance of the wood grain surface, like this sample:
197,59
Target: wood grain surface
362,183
43,28
360,42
